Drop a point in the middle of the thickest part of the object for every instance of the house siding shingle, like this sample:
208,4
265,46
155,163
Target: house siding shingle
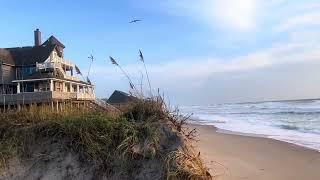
8,73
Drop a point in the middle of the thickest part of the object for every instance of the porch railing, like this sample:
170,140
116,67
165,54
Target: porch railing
44,96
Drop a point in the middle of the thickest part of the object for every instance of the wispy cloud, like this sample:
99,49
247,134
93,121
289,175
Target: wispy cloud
303,20
195,73
240,15
243,15
229,14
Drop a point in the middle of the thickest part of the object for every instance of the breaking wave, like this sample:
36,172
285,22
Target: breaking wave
297,122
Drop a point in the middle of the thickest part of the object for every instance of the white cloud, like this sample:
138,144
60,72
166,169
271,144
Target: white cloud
236,14
304,20
229,14
188,76
279,54
311,36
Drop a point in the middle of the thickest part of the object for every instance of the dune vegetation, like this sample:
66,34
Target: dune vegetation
143,141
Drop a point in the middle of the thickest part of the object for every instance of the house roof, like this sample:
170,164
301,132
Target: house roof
53,41
29,55
25,55
119,97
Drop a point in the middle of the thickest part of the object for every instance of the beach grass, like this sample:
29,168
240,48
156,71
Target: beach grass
142,133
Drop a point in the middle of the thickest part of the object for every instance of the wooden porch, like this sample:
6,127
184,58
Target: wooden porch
44,96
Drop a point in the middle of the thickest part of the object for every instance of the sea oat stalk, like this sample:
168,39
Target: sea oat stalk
113,61
145,68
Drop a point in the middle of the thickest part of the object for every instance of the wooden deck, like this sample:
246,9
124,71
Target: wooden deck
40,97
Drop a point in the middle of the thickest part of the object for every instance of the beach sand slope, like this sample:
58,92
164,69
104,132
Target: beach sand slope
233,157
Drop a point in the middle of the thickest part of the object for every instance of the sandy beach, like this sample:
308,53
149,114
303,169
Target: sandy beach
233,157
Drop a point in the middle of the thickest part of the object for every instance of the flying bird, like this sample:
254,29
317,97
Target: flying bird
135,21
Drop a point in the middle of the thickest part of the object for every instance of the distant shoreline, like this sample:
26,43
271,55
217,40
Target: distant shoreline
230,155
228,132
284,100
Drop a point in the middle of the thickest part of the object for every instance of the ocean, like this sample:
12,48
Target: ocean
296,122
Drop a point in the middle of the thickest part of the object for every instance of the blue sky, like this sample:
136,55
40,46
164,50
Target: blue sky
197,52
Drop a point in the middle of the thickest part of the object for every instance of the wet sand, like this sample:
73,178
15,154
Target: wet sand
233,157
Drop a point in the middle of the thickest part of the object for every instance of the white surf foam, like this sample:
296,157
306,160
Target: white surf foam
292,122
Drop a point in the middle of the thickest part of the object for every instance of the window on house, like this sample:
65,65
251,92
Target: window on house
29,87
26,71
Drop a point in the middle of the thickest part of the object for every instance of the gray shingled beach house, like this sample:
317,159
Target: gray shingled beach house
119,98
40,74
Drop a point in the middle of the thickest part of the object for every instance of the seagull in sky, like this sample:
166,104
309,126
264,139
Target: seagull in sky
135,21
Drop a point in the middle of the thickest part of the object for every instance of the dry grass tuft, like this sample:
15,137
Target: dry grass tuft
181,163
184,164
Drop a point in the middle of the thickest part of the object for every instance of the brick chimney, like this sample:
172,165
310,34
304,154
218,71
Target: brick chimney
37,37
